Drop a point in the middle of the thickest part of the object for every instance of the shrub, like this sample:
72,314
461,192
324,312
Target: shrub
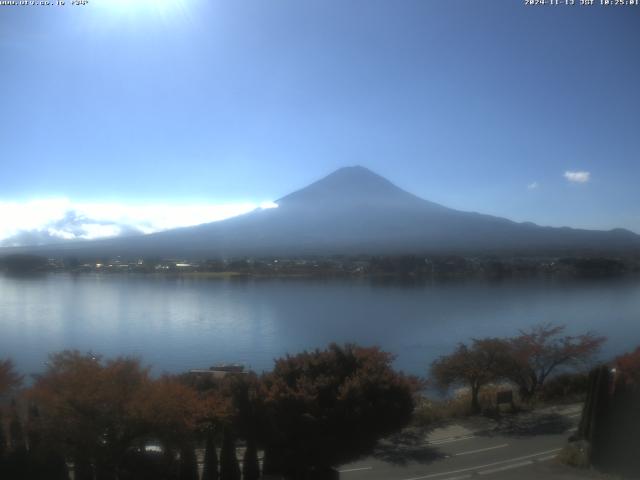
567,387
575,454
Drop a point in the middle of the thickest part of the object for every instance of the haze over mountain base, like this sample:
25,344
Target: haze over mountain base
352,211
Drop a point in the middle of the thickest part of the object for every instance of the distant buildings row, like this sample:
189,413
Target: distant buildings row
411,266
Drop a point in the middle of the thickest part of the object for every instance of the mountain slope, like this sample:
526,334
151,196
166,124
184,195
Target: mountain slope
352,211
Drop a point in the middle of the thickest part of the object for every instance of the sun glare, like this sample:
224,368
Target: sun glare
144,9
138,4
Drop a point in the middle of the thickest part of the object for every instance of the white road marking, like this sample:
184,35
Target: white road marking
544,459
347,470
461,477
478,467
451,440
574,415
506,467
481,450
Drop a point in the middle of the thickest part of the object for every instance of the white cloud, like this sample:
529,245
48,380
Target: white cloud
577,176
53,220
533,185
266,205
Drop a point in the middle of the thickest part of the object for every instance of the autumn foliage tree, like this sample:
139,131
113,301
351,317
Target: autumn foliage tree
167,410
328,407
526,360
542,350
628,366
9,378
472,366
85,404
99,410
12,452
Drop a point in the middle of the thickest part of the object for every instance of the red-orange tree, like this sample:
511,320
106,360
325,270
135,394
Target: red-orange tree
100,409
9,379
328,407
629,367
472,366
538,352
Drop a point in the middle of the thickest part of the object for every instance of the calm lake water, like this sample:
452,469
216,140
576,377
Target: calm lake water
179,323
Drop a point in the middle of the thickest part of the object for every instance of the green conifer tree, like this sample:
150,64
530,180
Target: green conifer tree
210,471
250,464
229,468
3,448
188,463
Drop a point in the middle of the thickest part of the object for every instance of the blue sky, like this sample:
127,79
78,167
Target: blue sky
193,104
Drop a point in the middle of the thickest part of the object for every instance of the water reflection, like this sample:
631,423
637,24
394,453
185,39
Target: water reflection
178,323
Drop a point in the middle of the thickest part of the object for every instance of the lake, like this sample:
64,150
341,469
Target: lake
178,323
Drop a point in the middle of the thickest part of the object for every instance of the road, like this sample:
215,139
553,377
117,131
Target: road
521,446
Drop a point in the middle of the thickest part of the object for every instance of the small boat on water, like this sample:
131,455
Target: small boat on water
220,370
228,367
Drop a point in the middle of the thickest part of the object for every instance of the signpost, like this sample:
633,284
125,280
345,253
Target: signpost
505,396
